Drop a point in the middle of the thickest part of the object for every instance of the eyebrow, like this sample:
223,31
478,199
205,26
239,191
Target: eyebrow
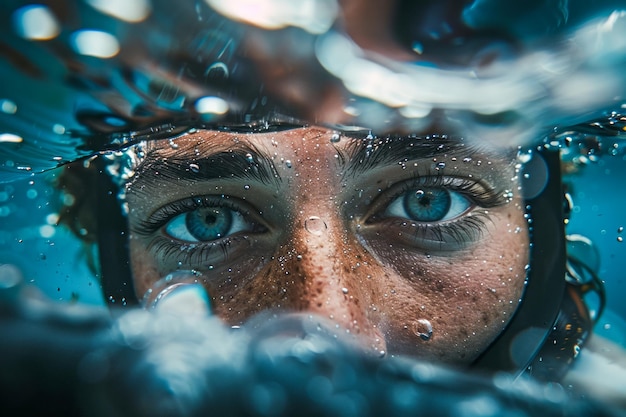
366,154
244,163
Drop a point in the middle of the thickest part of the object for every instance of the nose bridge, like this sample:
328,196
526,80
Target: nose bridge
316,241
320,253
325,273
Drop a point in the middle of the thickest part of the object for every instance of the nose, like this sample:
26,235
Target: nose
329,275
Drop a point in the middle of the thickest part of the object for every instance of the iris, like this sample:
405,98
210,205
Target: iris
209,223
427,205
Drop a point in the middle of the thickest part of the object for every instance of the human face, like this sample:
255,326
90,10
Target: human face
412,245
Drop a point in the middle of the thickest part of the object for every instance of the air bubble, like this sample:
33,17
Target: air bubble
424,329
8,106
288,163
315,225
194,168
36,22
344,290
10,138
336,137
95,43
217,70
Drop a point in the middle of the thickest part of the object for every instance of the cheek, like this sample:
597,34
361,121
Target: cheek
452,308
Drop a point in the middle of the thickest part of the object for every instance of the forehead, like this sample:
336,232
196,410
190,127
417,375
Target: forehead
320,141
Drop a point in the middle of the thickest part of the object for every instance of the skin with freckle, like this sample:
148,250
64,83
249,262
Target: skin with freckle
319,229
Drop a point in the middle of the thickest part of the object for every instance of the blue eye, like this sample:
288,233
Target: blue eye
429,204
206,224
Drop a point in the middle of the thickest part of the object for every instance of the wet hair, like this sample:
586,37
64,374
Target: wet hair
77,181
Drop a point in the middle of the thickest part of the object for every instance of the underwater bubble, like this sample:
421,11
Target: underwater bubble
524,157
288,163
212,105
95,43
10,138
36,22
344,290
620,239
315,225
336,137
128,11
440,165
8,106
194,168
10,276
249,158
620,229
534,175
217,70
315,17
47,231
59,129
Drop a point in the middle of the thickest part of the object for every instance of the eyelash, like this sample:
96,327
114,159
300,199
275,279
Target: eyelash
461,230
166,213
190,253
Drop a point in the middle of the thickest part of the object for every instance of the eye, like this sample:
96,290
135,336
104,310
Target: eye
206,224
428,204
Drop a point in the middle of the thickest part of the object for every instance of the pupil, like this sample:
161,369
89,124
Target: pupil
424,200
427,205
207,224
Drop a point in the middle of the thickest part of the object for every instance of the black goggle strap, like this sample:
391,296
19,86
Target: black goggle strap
569,334
575,322
529,329
115,272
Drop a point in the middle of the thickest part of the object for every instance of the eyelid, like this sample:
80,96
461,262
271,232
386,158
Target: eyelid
164,214
476,191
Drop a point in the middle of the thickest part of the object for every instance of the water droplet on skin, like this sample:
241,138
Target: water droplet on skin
315,225
424,329
194,168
